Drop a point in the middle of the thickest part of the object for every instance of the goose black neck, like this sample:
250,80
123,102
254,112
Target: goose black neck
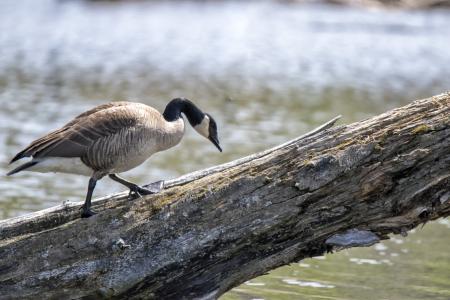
181,105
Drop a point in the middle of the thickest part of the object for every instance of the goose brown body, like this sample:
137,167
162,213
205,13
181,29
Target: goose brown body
111,138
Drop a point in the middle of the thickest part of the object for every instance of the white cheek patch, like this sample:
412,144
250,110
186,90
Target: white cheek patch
203,127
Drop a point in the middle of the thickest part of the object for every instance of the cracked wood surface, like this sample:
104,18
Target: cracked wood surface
214,229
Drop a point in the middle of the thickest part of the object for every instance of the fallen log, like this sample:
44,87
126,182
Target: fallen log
211,230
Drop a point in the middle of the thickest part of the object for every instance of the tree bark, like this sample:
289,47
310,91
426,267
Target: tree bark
211,230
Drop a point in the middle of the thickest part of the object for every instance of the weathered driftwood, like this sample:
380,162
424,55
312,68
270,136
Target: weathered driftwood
212,230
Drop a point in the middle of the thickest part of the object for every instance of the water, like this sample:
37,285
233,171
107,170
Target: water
267,72
415,267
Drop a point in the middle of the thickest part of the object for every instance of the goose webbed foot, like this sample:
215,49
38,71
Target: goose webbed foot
137,191
87,212
152,188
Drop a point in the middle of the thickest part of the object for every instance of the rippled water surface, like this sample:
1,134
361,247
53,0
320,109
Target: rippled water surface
415,267
267,71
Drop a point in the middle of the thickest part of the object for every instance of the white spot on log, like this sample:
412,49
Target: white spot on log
120,244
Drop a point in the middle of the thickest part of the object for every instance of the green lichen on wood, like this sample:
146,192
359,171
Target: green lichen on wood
424,128
344,144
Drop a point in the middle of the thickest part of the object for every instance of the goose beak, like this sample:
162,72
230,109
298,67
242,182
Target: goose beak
215,141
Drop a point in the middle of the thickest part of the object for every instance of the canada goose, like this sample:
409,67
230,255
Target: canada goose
114,138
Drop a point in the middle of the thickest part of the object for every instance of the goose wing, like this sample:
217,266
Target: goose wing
75,138
97,109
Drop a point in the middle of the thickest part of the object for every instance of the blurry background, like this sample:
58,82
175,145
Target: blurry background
268,71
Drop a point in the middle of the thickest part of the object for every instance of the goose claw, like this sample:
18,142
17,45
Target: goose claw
152,188
87,212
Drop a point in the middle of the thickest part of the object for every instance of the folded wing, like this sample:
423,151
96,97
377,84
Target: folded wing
75,138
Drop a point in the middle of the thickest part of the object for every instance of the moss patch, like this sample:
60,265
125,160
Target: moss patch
421,129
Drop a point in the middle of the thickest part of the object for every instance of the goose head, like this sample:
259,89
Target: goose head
207,127
202,122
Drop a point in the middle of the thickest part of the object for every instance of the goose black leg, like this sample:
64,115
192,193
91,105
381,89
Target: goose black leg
152,188
86,208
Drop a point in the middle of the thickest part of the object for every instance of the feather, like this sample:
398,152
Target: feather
112,136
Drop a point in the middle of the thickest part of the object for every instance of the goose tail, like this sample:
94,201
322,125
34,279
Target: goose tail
22,167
